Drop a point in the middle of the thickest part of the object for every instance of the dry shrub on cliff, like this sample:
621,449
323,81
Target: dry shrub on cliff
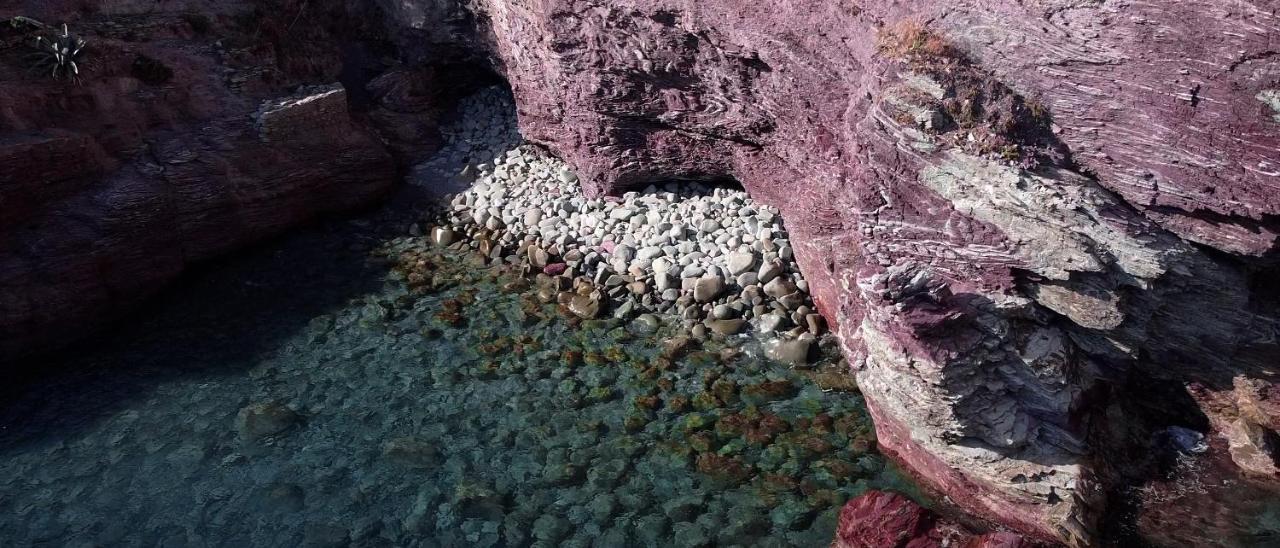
910,37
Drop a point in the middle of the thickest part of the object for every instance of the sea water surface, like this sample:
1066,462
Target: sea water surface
303,395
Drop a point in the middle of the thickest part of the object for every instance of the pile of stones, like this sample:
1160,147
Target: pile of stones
710,255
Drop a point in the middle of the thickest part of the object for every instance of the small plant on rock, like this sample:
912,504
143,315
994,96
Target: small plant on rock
59,54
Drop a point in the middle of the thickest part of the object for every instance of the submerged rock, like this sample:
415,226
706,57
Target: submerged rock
792,352
261,420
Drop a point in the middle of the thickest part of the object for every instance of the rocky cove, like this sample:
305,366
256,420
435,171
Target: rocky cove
661,273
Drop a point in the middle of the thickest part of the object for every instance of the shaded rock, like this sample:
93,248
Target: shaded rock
260,420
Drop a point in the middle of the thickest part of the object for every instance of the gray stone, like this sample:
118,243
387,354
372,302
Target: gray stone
648,322
260,420
769,322
816,323
791,352
624,252
779,287
648,253
624,310
726,327
768,271
584,306
792,300
708,288
741,262
698,331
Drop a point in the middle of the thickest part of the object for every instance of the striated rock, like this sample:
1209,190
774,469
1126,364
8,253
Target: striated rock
1007,234
878,519
1030,223
112,187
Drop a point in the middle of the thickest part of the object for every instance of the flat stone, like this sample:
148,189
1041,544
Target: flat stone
260,420
779,287
708,288
726,327
791,352
768,271
584,306
769,322
741,262
792,300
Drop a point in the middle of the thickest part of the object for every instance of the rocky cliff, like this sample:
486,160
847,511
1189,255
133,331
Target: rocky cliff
1045,230
193,128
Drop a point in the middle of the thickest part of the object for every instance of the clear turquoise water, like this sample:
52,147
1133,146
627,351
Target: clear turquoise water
516,427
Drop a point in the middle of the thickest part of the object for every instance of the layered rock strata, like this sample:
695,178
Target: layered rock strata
1046,231
193,129
1016,214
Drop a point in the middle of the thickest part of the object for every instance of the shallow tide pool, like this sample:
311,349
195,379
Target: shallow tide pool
305,395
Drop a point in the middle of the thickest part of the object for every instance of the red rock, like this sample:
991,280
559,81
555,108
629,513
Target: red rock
555,269
1001,206
883,520
987,206
879,519
111,187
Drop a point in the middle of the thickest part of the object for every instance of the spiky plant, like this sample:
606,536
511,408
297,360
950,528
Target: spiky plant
59,55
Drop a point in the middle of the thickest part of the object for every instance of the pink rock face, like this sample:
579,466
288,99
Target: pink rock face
1015,214
169,150
888,520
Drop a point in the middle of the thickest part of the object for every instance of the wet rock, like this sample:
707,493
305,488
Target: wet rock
443,236
792,352
260,420
726,327
648,322
411,452
584,306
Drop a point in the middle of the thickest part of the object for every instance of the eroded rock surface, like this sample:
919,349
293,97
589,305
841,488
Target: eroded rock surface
1016,214
1045,230
195,127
